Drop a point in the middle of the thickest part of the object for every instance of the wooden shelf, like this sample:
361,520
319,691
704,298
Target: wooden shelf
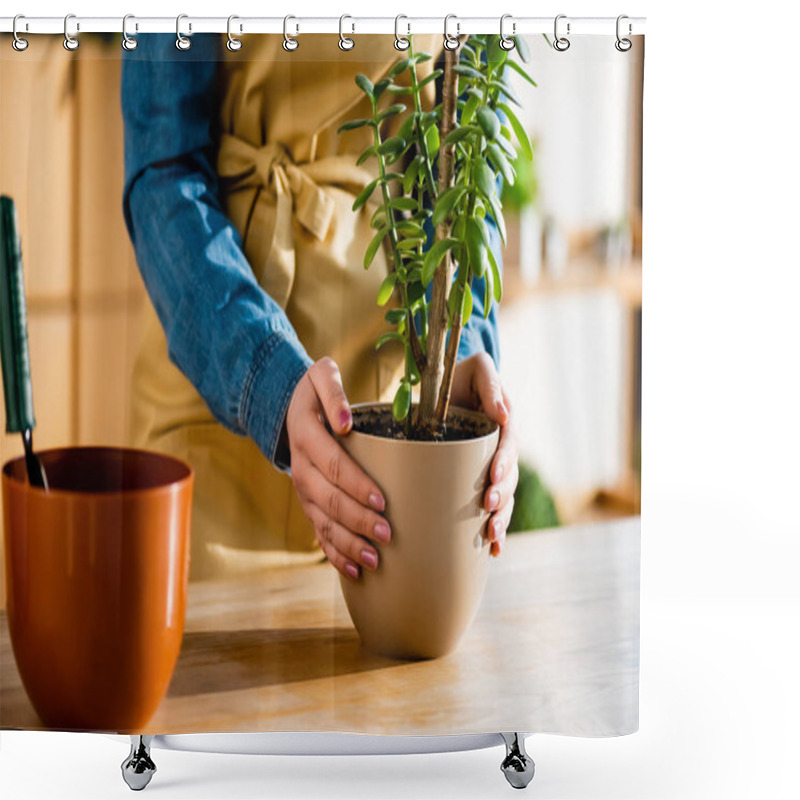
580,274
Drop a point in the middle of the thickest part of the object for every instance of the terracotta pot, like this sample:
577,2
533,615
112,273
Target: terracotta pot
97,573
430,577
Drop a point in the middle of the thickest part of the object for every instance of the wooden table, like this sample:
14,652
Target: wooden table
554,648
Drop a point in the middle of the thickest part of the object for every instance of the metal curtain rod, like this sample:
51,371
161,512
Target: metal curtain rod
633,26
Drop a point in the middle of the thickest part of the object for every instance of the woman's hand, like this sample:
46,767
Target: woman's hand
336,494
476,384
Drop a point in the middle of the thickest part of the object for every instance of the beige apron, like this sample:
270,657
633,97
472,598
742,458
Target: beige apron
288,182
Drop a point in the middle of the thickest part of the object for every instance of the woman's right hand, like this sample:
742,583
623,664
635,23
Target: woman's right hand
340,499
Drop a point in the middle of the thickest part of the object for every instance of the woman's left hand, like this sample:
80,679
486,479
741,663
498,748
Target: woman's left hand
476,384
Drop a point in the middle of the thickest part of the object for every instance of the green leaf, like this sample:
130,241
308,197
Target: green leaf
506,89
399,67
410,243
364,194
373,246
466,305
497,282
485,178
488,121
394,89
517,68
404,203
473,101
392,146
501,162
406,131
446,202
407,227
394,315
380,87
505,145
469,72
484,231
422,56
365,84
487,293
522,48
428,78
378,218
497,215
432,141
391,111
433,257
386,288
459,134
389,336
476,247
519,130
411,174
365,154
402,401
494,53
353,124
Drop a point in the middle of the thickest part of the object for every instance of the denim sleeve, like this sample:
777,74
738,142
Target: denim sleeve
229,337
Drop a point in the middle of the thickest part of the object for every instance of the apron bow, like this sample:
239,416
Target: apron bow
280,190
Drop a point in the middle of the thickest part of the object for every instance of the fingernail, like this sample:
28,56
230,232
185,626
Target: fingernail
351,570
344,418
498,473
501,407
494,499
382,531
377,502
496,526
369,558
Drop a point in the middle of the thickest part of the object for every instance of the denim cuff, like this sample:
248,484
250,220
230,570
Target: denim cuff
276,370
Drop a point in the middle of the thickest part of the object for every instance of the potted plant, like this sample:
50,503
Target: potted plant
430,459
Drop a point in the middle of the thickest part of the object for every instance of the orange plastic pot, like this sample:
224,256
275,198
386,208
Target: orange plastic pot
97,571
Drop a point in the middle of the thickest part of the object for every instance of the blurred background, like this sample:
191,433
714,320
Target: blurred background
570,321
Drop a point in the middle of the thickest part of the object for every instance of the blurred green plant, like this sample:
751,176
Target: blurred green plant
534,507
524,191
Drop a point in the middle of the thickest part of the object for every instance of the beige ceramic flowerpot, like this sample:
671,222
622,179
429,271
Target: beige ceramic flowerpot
430,577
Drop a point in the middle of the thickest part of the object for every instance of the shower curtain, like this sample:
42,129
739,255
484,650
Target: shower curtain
227,252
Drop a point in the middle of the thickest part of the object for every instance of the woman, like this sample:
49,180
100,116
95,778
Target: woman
238,195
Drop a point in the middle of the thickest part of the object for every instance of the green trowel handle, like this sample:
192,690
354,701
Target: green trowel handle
13,325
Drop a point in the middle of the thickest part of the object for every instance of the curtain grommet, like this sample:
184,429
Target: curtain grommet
401,42
18,43
290,44
507,42
451,42
233,44
345,42
623,44
128,42
70,42
560,43
181,41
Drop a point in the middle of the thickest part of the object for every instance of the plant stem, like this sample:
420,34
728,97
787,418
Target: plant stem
431,377
464,277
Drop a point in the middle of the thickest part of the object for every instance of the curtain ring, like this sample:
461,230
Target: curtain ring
400,42
561,43
451,42
70,42
181,42
623,45
233,44
345,42
19,44
128,42
506,42
289,43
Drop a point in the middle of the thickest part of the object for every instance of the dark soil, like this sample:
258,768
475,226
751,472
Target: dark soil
381,422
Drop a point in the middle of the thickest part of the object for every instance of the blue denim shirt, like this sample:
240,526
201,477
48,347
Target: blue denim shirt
229,337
